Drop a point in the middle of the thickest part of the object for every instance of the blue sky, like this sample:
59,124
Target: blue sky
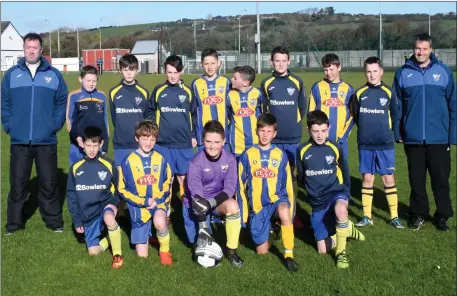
88,14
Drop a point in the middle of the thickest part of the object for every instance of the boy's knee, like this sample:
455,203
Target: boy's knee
388,180
341,211
232,206
94,251
160,224
284,212
368,178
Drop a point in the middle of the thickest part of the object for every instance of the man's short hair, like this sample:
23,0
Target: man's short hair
267,120
33,36
88,70
93,134
372,60
128,61
422,37
281,50
246,73
214,126
330,59
317,117
146,128
174,61
209,52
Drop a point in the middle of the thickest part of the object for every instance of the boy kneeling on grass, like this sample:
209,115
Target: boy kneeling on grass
92,197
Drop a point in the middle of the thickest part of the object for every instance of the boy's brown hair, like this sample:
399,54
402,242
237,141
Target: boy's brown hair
330,59
266,120
146,128
246,72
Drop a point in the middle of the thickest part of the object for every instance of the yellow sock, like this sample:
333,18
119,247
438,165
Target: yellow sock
287,233
341,235
392,200
233,228
104,244
114,234
333,238
164,241
367,200
181,191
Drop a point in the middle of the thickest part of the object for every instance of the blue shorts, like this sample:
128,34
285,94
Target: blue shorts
141,234
178,158
260,223
120,154
94,230
380,162
291,152
324,221
76,153
191,223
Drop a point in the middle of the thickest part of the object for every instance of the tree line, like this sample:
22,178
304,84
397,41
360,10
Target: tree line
321,30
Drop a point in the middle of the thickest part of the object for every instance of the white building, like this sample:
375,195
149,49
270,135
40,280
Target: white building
146,51
12,46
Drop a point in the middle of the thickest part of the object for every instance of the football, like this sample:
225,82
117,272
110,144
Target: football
209,256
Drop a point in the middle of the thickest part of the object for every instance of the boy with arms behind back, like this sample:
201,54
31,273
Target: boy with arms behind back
265,190
174,110
211,91
323,172
244,107
377,114
145,183
128,106
92,197
86,106
332,95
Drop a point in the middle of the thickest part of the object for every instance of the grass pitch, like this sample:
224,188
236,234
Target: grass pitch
390,262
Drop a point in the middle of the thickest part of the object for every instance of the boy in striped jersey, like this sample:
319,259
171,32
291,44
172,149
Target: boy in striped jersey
244,107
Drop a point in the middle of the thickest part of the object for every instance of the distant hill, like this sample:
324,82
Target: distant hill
322,29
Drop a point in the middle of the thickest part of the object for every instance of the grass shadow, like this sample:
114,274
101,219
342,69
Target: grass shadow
379,201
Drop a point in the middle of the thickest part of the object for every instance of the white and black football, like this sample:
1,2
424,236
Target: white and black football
209,255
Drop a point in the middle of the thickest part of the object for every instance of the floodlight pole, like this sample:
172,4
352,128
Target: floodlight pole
259,64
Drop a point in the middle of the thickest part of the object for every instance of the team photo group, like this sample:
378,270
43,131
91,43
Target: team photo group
235,151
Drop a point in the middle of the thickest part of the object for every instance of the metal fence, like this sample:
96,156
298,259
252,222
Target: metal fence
311,61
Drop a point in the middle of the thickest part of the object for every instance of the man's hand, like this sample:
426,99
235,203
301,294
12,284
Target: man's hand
194,142
79,229
80,142
200,206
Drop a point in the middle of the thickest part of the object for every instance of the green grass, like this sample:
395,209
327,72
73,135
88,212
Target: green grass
390,262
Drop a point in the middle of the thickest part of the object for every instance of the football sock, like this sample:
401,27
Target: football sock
233,228
342,232
287,233
114,234
164,240
367,199
104,244
330,243
392,200
181,191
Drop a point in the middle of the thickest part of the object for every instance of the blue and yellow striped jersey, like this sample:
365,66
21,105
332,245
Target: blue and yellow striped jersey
212,102
141,178
264,177
333,99
244,109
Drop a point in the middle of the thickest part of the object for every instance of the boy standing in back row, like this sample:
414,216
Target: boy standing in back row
211,92
375,110
332,95
128,105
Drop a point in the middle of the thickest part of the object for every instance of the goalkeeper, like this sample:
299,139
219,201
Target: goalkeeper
211,184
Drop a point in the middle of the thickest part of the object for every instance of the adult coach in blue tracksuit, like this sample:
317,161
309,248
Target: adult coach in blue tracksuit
426,90
34,97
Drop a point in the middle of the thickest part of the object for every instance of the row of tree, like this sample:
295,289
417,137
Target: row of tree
334,34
